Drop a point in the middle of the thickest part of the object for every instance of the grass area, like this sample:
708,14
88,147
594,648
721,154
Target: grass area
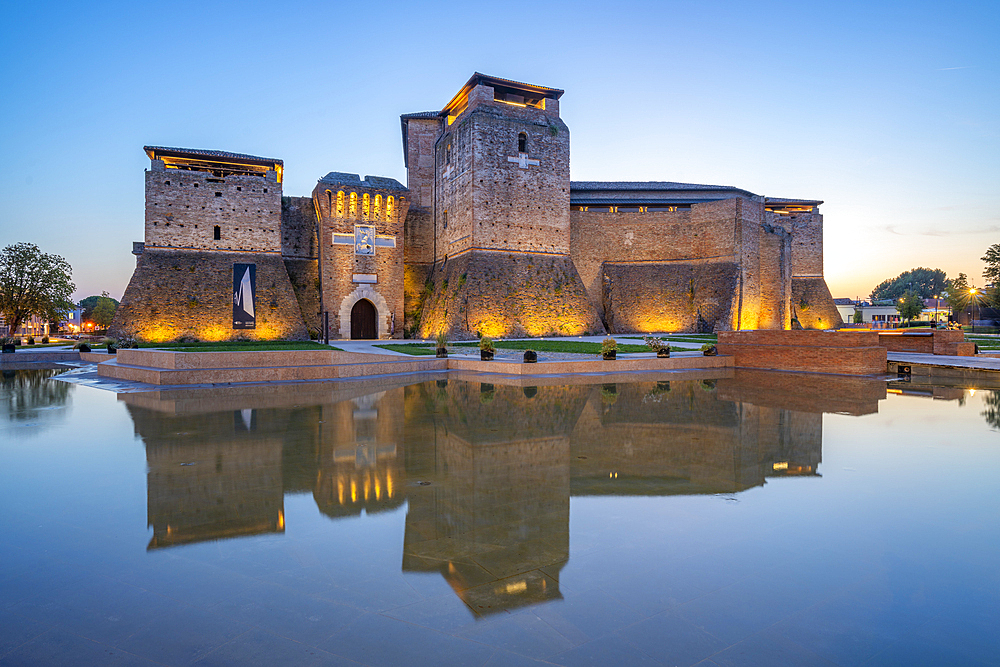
235,346
984,342
416,349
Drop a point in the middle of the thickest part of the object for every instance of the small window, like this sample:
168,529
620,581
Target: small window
445,219
447,154
218,233
195,185
522,143
218,194
265,189
166,182
239,189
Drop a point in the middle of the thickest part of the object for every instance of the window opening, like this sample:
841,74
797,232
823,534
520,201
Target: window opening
378,207
340,204
388,207
217,233
522,143
354,205
366,206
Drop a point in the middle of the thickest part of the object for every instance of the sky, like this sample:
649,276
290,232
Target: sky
888,112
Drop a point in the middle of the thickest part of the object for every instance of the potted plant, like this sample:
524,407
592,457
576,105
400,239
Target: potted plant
530,356
31,340
657,345
486,348
82,346
442,345
709,350
45,340
112,347
609,349
8,345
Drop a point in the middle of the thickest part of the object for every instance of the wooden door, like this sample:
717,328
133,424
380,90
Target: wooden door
363,325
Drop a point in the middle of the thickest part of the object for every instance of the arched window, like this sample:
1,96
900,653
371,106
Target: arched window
378,207
366,206
388,208
447,154
340,204
329,202
522,143
354,205
217,233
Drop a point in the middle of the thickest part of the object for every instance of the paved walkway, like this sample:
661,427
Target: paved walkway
980,362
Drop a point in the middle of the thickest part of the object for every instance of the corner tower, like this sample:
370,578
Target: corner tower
499,228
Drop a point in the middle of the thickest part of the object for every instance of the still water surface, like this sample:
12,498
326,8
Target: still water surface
759,518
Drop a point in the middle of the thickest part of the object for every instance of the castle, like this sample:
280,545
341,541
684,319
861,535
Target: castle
488,237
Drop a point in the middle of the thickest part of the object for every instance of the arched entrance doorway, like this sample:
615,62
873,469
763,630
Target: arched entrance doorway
363,320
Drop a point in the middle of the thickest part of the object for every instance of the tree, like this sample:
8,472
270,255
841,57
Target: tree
992,273
925,282
104,311
33,283
910,306
957,293
91,302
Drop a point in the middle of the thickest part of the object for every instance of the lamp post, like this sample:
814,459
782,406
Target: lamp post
972,311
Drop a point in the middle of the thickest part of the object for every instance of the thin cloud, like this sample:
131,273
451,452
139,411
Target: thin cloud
945,69
893,229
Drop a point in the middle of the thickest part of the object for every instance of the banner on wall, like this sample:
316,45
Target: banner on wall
244,296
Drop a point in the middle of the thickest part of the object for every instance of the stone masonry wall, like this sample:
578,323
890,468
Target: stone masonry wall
507,294
421,134
812,304
175,293
669,296
184,207
300,252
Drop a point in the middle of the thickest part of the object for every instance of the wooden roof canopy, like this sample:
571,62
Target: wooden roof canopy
531,93
221,163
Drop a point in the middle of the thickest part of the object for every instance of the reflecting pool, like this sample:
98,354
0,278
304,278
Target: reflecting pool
728,517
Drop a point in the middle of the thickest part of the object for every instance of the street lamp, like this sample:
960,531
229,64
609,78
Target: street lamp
972,311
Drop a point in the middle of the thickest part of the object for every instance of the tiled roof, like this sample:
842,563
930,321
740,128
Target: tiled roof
646,185
782,200
420,114
208,154
341,178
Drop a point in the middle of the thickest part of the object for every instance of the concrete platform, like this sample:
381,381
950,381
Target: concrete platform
165,368
936,366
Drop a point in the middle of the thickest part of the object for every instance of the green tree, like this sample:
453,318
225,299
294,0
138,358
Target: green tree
910,305
33,283
91,302
104,311
957,293
992,274
925,282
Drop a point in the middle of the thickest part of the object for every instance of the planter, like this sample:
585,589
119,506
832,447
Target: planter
8,348
442,352
530,356
610,356
711,352
112,349
663,354
485,355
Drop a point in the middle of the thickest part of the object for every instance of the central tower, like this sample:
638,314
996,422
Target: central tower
502,167
491,170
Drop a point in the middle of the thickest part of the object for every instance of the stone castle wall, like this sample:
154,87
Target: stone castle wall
812,304
502,294
183,208
300,251
175,293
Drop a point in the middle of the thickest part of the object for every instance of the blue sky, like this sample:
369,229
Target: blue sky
889,112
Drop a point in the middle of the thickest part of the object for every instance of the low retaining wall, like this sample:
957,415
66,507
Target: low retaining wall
30,356
838,352
951,343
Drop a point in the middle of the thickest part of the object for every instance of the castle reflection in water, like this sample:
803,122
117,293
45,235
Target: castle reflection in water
486,469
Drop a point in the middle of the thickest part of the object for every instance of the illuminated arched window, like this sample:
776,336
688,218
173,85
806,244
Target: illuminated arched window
366,206
378,207
340,204
388,208
522,143
354,205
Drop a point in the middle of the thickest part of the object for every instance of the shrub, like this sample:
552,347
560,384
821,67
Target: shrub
486,344
441,339
609,344
45,340
655,344
82,346
31,340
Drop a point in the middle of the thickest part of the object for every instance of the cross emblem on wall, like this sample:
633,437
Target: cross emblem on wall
522,161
